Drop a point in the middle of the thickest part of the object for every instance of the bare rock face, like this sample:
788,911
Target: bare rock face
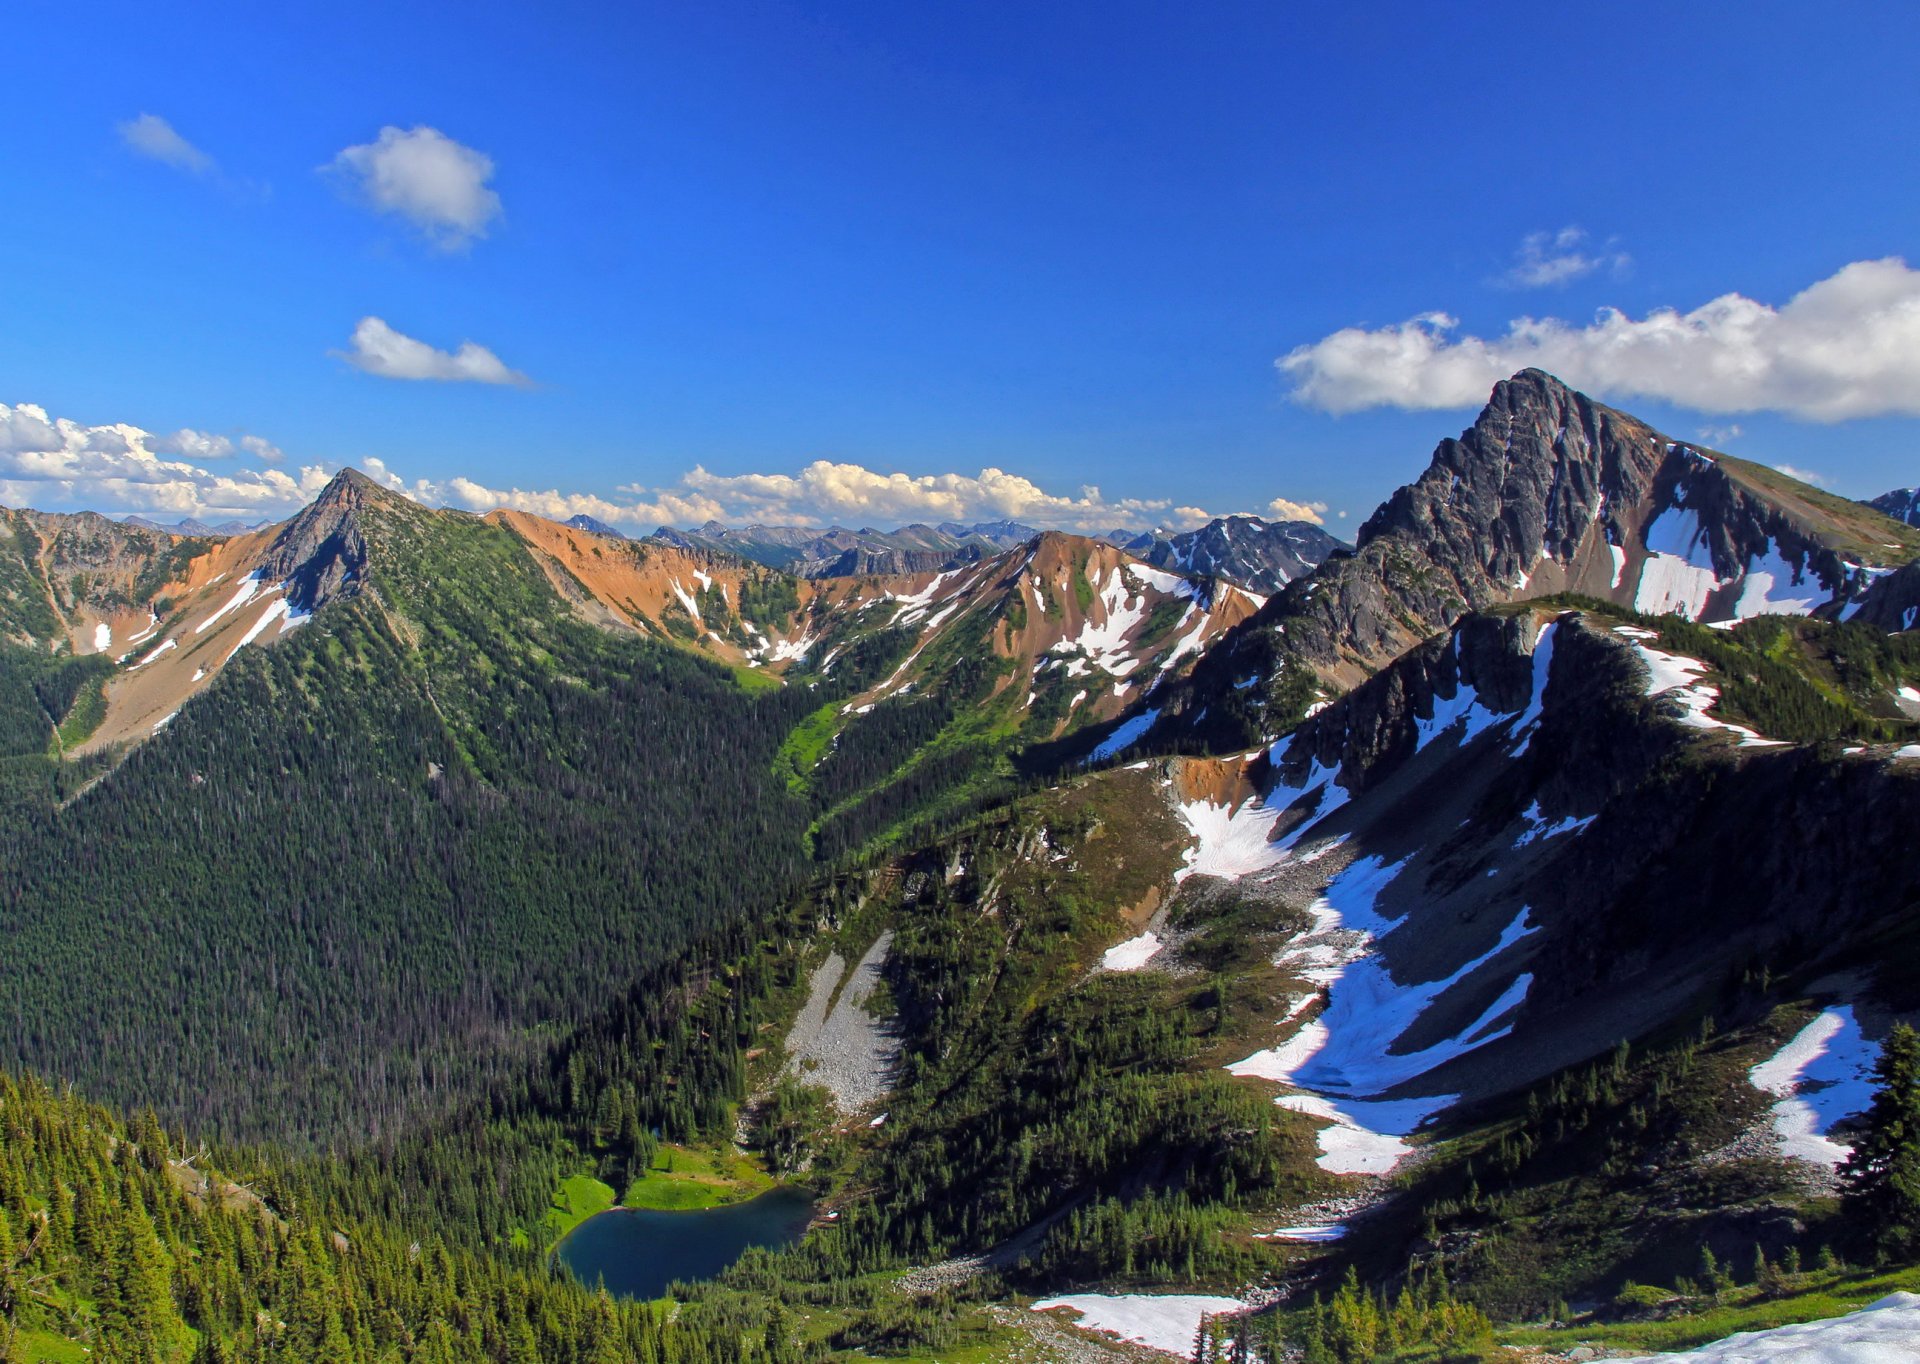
322,551
1547,492
1893,602
1263,555
1902,504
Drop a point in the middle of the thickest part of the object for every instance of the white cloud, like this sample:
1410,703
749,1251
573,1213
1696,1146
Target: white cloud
379,349
1847,346
1546,260
56,462
1286,509
152,136
821,493
191,444
52,463
1719,436
1804,475
427,178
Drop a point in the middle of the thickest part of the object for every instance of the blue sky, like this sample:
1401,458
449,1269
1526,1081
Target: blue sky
843,258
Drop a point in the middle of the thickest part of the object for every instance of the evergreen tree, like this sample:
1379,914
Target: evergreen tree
1882,1176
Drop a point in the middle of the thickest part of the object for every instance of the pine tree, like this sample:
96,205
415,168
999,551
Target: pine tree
1882,1176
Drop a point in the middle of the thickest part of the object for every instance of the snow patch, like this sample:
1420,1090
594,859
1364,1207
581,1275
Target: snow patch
1315,1232
1132,954
1231,843
1161,1321
1773,587
102,637
1678,677
164,645
248,586
1123,736
1823,1075
1343,1057
1885,1332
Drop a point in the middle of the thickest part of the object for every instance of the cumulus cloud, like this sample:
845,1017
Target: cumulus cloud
152,136
823,492
1804,475
1286,509
1546,260
1847,346
426,177
379,349
191,444
56,462
1718,436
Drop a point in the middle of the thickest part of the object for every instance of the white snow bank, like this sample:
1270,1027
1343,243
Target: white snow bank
1232,842
1672,585
1160,1321
248,586
1773,587
1316,1232
1522,728
1132,954
1823,1075
1887,1332
1343,1056
1123,736
275,611
1677,676
165,645
102,637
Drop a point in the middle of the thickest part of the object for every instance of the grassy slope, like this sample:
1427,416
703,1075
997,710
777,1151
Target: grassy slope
1857,531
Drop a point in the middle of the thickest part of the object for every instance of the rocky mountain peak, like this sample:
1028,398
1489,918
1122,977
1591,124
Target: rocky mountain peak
322,550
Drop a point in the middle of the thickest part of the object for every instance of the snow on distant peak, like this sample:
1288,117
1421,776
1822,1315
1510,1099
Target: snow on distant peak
1679,575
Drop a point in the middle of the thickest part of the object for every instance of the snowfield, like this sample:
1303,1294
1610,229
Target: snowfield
1887,1332
1679,575
248,586
1678,677
1132,954
1825,1074
1231,843
1342,1058
1167,1321
1120,737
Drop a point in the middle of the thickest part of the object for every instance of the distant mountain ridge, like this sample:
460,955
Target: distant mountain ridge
837,552
1254,553
195,527
1902,504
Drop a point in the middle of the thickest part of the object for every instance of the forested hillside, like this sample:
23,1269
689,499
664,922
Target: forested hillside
370,864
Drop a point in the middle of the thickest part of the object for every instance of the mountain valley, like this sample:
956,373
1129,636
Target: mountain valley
1237,941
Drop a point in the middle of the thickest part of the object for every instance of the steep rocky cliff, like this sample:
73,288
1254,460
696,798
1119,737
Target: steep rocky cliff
1547,492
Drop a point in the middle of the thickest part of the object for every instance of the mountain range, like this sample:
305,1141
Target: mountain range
1488,916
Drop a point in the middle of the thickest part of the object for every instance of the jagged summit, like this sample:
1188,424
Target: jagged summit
1547,491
